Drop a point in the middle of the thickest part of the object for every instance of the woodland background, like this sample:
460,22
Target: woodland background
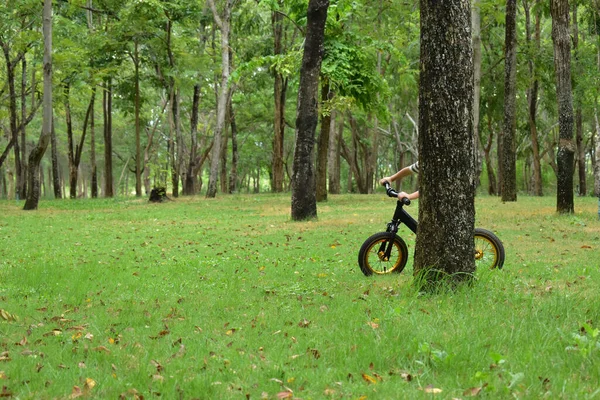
136,87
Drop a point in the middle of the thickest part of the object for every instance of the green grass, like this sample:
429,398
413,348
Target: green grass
228,298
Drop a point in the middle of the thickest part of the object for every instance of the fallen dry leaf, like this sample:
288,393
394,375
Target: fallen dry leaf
432,390
369,379
474,391
76,392
285,395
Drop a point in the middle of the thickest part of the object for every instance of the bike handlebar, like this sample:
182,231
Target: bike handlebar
392,193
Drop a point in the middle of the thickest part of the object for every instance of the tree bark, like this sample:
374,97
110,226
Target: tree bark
279,91
35,157
190,179
12,108
304,204
138,145
476,24
532,94
562,65
108,164
23,179
323,148
235,156
444,246
582,186
597,156
224,24
94,168
334,174
508,160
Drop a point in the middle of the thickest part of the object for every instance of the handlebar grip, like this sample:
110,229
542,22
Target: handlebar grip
392,193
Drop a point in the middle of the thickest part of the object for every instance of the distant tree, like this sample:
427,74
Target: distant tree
561,36
444,244
304,204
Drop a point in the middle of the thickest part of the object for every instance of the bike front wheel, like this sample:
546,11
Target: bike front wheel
489,250
372,257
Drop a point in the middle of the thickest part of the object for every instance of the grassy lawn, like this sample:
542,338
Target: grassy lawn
227,298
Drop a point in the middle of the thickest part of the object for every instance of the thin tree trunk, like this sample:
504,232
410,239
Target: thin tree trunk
138,145
234,150
304,204
582,186
23,189
190,178
508,160
56,175
492,185
94,180
597,156
323,148
532,94
334,161
476,26
108,164
562,64
279,92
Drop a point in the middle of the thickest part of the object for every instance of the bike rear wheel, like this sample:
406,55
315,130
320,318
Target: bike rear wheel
489,250
372,255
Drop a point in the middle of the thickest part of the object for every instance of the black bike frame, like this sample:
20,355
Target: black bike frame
400,216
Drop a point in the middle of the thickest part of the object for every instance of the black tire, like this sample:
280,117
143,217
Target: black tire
371,255
489,250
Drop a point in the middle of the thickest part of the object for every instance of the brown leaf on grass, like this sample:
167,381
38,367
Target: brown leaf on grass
432,390
471,392
285,395
102,349
6,392
21,342
3,375
585,246
53,332
304,323
76,392
373,324
157,365
158,378
316,354
7,316
4,356
369,379
161,334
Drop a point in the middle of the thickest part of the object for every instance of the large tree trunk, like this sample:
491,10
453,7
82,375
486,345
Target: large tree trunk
532,94
444,245
279,92
35,157
304,204
323,148
562,65
508,161
224,24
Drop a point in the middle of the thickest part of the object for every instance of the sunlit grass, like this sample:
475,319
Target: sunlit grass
228,298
